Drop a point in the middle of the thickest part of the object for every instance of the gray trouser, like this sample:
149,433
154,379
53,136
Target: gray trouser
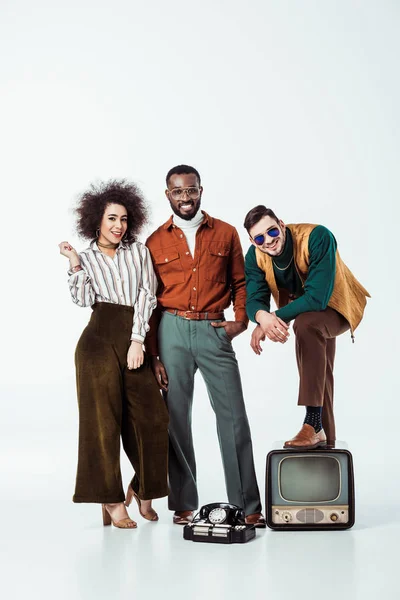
185,346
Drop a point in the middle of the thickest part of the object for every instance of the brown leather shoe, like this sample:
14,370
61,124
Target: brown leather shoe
182,517
307,439
256,519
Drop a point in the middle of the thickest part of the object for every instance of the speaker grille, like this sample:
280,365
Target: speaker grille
310,515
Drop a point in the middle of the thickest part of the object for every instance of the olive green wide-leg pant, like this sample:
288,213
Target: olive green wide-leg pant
185,346
115,402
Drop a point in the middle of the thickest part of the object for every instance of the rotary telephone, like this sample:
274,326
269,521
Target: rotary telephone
219,512
221,523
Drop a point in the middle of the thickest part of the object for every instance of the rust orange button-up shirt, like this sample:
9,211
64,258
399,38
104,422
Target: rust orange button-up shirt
206,282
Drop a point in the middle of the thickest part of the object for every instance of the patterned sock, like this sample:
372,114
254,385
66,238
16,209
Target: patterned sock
313,417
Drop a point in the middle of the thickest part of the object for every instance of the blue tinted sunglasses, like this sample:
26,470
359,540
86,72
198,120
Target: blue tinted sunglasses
260,239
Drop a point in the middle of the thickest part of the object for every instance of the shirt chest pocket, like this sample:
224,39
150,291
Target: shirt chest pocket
169,267
217,261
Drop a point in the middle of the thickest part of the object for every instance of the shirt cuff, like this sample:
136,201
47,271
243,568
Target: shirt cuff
240,315
254,308
283,314
76,274
135,337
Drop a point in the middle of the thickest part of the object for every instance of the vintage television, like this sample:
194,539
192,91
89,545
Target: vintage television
309,490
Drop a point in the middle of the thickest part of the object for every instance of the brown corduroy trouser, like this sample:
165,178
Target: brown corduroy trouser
316,334
117,402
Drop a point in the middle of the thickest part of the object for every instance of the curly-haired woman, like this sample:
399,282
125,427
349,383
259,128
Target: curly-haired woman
117,393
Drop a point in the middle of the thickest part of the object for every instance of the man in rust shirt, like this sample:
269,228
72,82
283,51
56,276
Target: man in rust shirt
200,269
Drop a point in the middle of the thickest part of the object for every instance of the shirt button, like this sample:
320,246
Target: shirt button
166,260
192,307
181,235
194,269
219,254
194,289
187,252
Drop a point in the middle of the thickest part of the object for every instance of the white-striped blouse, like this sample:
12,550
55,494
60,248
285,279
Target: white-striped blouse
126,279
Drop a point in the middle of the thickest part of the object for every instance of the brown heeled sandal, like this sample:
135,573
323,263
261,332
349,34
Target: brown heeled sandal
151,515
122,524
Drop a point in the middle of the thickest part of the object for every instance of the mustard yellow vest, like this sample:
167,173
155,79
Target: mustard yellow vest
348,296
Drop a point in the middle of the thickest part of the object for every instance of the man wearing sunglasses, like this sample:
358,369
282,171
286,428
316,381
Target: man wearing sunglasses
200,268
301,267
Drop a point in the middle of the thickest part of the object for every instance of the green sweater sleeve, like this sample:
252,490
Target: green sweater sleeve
258,294
318,286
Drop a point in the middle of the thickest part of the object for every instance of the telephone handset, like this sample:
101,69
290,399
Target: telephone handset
221,523
221,512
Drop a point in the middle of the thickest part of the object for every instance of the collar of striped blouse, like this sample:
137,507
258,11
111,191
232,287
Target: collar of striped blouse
95,246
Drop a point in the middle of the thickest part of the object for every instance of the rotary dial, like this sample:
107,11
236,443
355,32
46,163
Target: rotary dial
217,515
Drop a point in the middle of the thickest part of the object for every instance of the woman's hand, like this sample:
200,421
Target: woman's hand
67,250
135,356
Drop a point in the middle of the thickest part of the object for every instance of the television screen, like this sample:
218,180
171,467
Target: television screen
309,479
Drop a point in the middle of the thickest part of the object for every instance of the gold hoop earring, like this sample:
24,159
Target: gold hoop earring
97,232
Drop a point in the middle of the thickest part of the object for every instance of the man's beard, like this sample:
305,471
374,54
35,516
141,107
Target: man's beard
282,247
185,216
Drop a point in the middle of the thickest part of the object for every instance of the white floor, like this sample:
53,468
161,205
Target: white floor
51,548
72,556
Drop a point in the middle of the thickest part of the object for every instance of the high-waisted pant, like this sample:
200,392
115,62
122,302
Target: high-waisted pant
316,334
117,402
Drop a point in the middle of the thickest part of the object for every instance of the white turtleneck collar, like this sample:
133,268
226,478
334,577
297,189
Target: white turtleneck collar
189,228
189,224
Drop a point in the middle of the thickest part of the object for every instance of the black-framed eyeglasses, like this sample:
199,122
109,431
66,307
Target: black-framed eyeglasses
191,192
260,239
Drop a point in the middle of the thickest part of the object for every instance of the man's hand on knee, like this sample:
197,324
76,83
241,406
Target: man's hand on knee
273,327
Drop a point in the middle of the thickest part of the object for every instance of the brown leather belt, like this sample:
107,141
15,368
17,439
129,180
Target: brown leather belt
196,316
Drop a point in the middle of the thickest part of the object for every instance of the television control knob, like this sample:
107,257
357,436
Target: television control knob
334,517
286,516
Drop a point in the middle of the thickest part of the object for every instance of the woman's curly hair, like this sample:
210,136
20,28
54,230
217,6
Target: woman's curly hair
92,204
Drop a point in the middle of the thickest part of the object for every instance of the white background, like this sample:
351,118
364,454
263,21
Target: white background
293,104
